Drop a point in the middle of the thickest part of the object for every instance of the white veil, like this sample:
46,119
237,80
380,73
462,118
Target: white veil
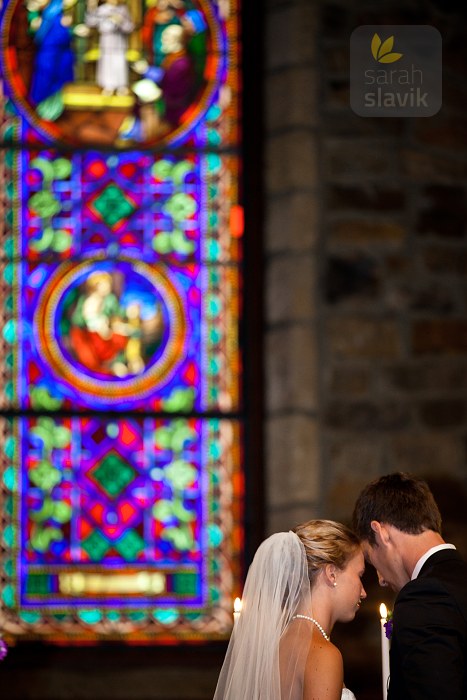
266,655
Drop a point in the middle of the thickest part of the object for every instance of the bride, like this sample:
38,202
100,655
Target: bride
299,584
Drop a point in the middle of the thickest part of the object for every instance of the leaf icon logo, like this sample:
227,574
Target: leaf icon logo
382,50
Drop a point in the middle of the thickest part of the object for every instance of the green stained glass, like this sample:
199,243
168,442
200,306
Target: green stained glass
130,545
8,567
38,583
166,617
113,205
215,535
9,535
30,617
9,478
136,616
185,583
9,331
90,617
113,474
8,596
96,546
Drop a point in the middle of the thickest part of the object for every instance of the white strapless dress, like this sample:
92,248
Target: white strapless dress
347,694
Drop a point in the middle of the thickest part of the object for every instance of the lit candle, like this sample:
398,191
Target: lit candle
383,611
237,610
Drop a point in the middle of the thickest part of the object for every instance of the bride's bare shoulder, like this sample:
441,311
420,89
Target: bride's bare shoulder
324,672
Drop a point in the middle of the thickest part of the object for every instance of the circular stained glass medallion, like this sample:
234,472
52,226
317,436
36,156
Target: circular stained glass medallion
112,330
114,72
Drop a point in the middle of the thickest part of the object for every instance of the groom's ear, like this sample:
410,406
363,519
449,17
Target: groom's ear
381,532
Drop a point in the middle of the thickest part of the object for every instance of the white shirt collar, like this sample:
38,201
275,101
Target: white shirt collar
426,556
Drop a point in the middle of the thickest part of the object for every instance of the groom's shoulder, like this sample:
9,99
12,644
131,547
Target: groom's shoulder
443,561
443,571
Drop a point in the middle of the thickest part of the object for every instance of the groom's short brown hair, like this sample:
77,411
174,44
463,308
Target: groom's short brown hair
401,500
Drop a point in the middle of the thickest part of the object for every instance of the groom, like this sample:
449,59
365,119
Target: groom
399,523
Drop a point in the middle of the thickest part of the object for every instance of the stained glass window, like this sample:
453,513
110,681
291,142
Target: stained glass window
120,297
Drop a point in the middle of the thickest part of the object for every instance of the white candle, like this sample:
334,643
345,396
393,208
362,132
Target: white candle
237,610
383,611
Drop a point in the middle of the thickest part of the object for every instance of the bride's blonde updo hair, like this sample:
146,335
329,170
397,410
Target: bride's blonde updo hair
326,542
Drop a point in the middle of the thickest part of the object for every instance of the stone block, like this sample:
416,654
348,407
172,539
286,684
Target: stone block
399,264
446,213
359,456
351,463
293,459
363,416
353,337
291,222
342,123
442,132
290,99
454,94
336,60
445,260
367,196
290,288
351,276
432,297
426,166
362,231
291,162
439,336
352,381
443,413
337,94
287,517
424,377
426,453
336,20
290,32
291,368
346,159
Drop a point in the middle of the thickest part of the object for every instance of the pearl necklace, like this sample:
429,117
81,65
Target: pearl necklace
315,622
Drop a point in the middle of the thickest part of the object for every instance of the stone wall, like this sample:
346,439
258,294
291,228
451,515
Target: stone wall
292,225
366,261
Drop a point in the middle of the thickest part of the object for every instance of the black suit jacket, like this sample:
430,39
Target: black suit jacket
428,657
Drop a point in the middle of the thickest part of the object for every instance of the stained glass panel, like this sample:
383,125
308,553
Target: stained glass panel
118,526
120,293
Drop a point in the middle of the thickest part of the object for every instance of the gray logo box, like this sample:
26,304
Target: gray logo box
395,71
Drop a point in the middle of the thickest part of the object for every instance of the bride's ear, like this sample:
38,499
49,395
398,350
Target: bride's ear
330,575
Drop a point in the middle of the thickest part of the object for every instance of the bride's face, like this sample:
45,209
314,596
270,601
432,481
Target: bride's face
349,588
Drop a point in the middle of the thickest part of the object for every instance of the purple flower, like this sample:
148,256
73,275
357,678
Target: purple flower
3,649
388,628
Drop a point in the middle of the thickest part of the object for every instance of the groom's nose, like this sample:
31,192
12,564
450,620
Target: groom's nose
381,580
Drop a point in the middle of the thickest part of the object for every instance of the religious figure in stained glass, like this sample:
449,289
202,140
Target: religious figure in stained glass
52,34
112,334
113,22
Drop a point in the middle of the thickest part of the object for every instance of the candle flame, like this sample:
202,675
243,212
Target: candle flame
383,611
237,605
